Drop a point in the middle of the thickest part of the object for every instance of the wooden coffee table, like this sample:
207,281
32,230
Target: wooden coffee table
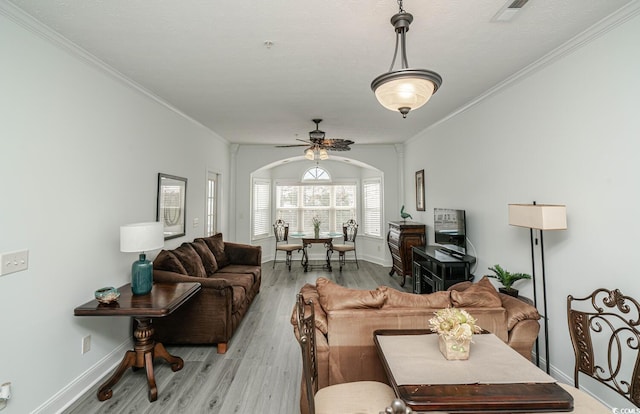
465,397
163,299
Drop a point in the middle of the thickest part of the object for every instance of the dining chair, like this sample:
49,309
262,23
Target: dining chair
605,335
281,233
349,233
363,397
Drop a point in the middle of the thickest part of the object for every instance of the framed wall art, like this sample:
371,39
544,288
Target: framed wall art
172,205
420,190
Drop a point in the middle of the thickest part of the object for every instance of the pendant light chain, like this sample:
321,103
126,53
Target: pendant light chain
400,6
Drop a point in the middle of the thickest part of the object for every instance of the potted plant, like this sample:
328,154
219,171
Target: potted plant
507,279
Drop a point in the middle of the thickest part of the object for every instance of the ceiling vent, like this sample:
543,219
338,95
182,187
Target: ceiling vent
509,11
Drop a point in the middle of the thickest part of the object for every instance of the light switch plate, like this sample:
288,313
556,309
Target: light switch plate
14,262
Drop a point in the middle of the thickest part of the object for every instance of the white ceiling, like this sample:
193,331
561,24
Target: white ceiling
209,60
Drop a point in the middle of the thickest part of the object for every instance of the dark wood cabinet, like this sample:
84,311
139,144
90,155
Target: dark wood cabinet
402,237
434,271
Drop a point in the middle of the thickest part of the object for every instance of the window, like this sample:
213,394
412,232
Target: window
211,208
316,174
372,200
332,204
261,208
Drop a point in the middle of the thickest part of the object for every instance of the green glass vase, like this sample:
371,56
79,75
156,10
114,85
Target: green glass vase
141,276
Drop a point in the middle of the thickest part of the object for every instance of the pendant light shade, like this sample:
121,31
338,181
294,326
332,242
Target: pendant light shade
308,154
405,89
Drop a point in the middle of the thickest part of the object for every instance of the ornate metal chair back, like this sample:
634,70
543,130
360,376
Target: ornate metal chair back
281,231
307,332
604,332
350,231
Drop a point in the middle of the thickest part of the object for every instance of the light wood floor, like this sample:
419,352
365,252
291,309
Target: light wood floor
260,373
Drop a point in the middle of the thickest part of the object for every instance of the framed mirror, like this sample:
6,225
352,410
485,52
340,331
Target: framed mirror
172,205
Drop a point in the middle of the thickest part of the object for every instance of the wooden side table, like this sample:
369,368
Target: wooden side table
163,299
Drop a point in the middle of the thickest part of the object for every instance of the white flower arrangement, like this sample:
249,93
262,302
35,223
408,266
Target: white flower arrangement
316,222
454,324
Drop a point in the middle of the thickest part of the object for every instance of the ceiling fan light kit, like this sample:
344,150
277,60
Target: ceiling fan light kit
405,89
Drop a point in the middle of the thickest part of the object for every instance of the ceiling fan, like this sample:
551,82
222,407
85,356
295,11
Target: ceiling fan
318,142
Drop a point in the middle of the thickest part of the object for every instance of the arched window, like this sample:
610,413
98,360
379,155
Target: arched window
316,174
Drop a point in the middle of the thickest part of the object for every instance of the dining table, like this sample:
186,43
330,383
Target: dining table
309,239
495,378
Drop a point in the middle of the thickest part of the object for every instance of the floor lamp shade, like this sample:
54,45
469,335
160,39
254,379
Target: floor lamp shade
538,216
141,237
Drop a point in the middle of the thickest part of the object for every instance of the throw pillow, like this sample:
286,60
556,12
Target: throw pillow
397,299
336,297
216,245
168,261
190,260
207,257
309,292
481,294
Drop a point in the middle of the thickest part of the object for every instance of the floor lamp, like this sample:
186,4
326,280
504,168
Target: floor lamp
539,217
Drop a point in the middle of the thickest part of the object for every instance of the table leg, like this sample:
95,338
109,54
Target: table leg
105,392
305,257
160,351
329,247
145,350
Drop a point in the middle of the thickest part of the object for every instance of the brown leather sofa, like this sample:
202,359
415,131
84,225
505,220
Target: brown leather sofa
346,319
230,275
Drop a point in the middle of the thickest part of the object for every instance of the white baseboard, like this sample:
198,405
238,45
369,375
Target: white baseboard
79,386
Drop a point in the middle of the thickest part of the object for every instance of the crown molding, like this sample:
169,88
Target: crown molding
617,18
31,24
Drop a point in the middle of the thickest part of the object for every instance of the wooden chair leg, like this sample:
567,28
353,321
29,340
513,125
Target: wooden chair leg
222,348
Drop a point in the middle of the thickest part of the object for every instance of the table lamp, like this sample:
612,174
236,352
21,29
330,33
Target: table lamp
141,237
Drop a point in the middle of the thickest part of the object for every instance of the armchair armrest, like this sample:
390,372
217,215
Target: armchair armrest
243,253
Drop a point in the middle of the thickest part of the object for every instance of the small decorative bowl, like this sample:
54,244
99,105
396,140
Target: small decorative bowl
107,294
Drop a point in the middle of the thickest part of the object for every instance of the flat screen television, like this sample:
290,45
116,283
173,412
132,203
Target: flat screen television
450,229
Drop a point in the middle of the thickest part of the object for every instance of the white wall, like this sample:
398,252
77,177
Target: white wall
367,159
568,134
79,157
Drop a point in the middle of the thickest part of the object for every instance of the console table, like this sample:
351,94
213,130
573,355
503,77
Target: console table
434,271
163,299
402,236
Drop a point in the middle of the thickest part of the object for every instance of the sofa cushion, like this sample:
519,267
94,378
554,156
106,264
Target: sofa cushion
208,259
481,294
216,244
335,297
238,268
397,299
243,280
309,292
517,310
168,261
190,260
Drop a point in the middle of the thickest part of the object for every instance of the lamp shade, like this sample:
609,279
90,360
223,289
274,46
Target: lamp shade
308,154
141,237
405,89
538,216
323,154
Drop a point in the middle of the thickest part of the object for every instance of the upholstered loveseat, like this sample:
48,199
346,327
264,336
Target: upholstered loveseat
346,319
230,275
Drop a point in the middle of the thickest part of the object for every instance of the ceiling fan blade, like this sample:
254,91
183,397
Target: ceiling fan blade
293,145
304,140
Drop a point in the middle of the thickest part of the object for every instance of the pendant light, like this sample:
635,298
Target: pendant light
405,89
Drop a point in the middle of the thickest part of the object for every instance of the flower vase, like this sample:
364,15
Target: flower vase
316,232
452,349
